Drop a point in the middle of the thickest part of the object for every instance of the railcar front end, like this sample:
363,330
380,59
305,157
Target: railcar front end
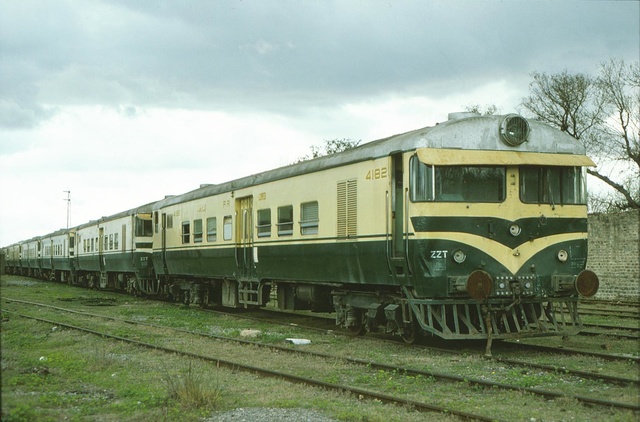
487,234
499,248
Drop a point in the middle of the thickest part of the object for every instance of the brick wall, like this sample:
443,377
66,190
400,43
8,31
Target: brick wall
614,254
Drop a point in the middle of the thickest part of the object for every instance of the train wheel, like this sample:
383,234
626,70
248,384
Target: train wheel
410,333
358,329
355,319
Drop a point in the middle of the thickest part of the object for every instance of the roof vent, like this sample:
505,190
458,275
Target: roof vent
462,115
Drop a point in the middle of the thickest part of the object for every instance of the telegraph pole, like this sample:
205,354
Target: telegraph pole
68,199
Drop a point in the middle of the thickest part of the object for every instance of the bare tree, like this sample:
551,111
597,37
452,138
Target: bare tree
488,110
565,101
618,87
332,146
603,113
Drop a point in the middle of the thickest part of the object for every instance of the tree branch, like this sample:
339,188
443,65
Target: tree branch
632,203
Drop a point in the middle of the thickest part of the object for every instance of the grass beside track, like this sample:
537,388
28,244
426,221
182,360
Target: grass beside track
84,377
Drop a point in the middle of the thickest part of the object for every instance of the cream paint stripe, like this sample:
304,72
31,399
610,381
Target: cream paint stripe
437,156
516,257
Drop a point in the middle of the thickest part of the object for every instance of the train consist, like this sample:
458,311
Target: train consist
474,228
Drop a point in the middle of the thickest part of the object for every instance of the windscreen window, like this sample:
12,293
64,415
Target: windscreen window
552,185
457,183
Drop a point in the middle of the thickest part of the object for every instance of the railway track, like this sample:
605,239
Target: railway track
610,303
615,334
236,365
572,352
610,313
366,363
612,327
510,344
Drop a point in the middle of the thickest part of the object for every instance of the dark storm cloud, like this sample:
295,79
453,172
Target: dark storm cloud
288,55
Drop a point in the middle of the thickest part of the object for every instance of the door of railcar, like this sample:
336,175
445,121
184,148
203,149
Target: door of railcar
163,242
397,244
101,249
244,237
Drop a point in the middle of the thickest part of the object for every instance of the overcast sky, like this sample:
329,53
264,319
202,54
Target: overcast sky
124,102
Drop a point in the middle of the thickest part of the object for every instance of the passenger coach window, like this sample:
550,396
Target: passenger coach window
227,228
309,218
264,223
197,231
552,185
212,229
186,232
456,183
285,220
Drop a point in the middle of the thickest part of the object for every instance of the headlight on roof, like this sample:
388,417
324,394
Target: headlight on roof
514,130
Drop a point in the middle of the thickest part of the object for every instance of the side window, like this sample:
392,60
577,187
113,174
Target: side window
155,221
212,229
285,220
111,242
197,231
264,223
169,221
115,241
309,218
227,228
421,180
186,232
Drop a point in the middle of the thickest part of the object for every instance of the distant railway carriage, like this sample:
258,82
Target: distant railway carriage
12,259
473,228
115,251
57,252
30,257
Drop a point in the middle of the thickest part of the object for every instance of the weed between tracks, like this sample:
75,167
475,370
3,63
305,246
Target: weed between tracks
192,390
59,374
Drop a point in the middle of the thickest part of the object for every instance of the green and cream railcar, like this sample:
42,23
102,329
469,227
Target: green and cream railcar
30,253
12,259
283,226
57,255
115,252
473,228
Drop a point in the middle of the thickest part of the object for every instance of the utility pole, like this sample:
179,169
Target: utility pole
68,199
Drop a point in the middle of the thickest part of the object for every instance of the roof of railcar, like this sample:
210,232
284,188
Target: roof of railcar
146,208
462,131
